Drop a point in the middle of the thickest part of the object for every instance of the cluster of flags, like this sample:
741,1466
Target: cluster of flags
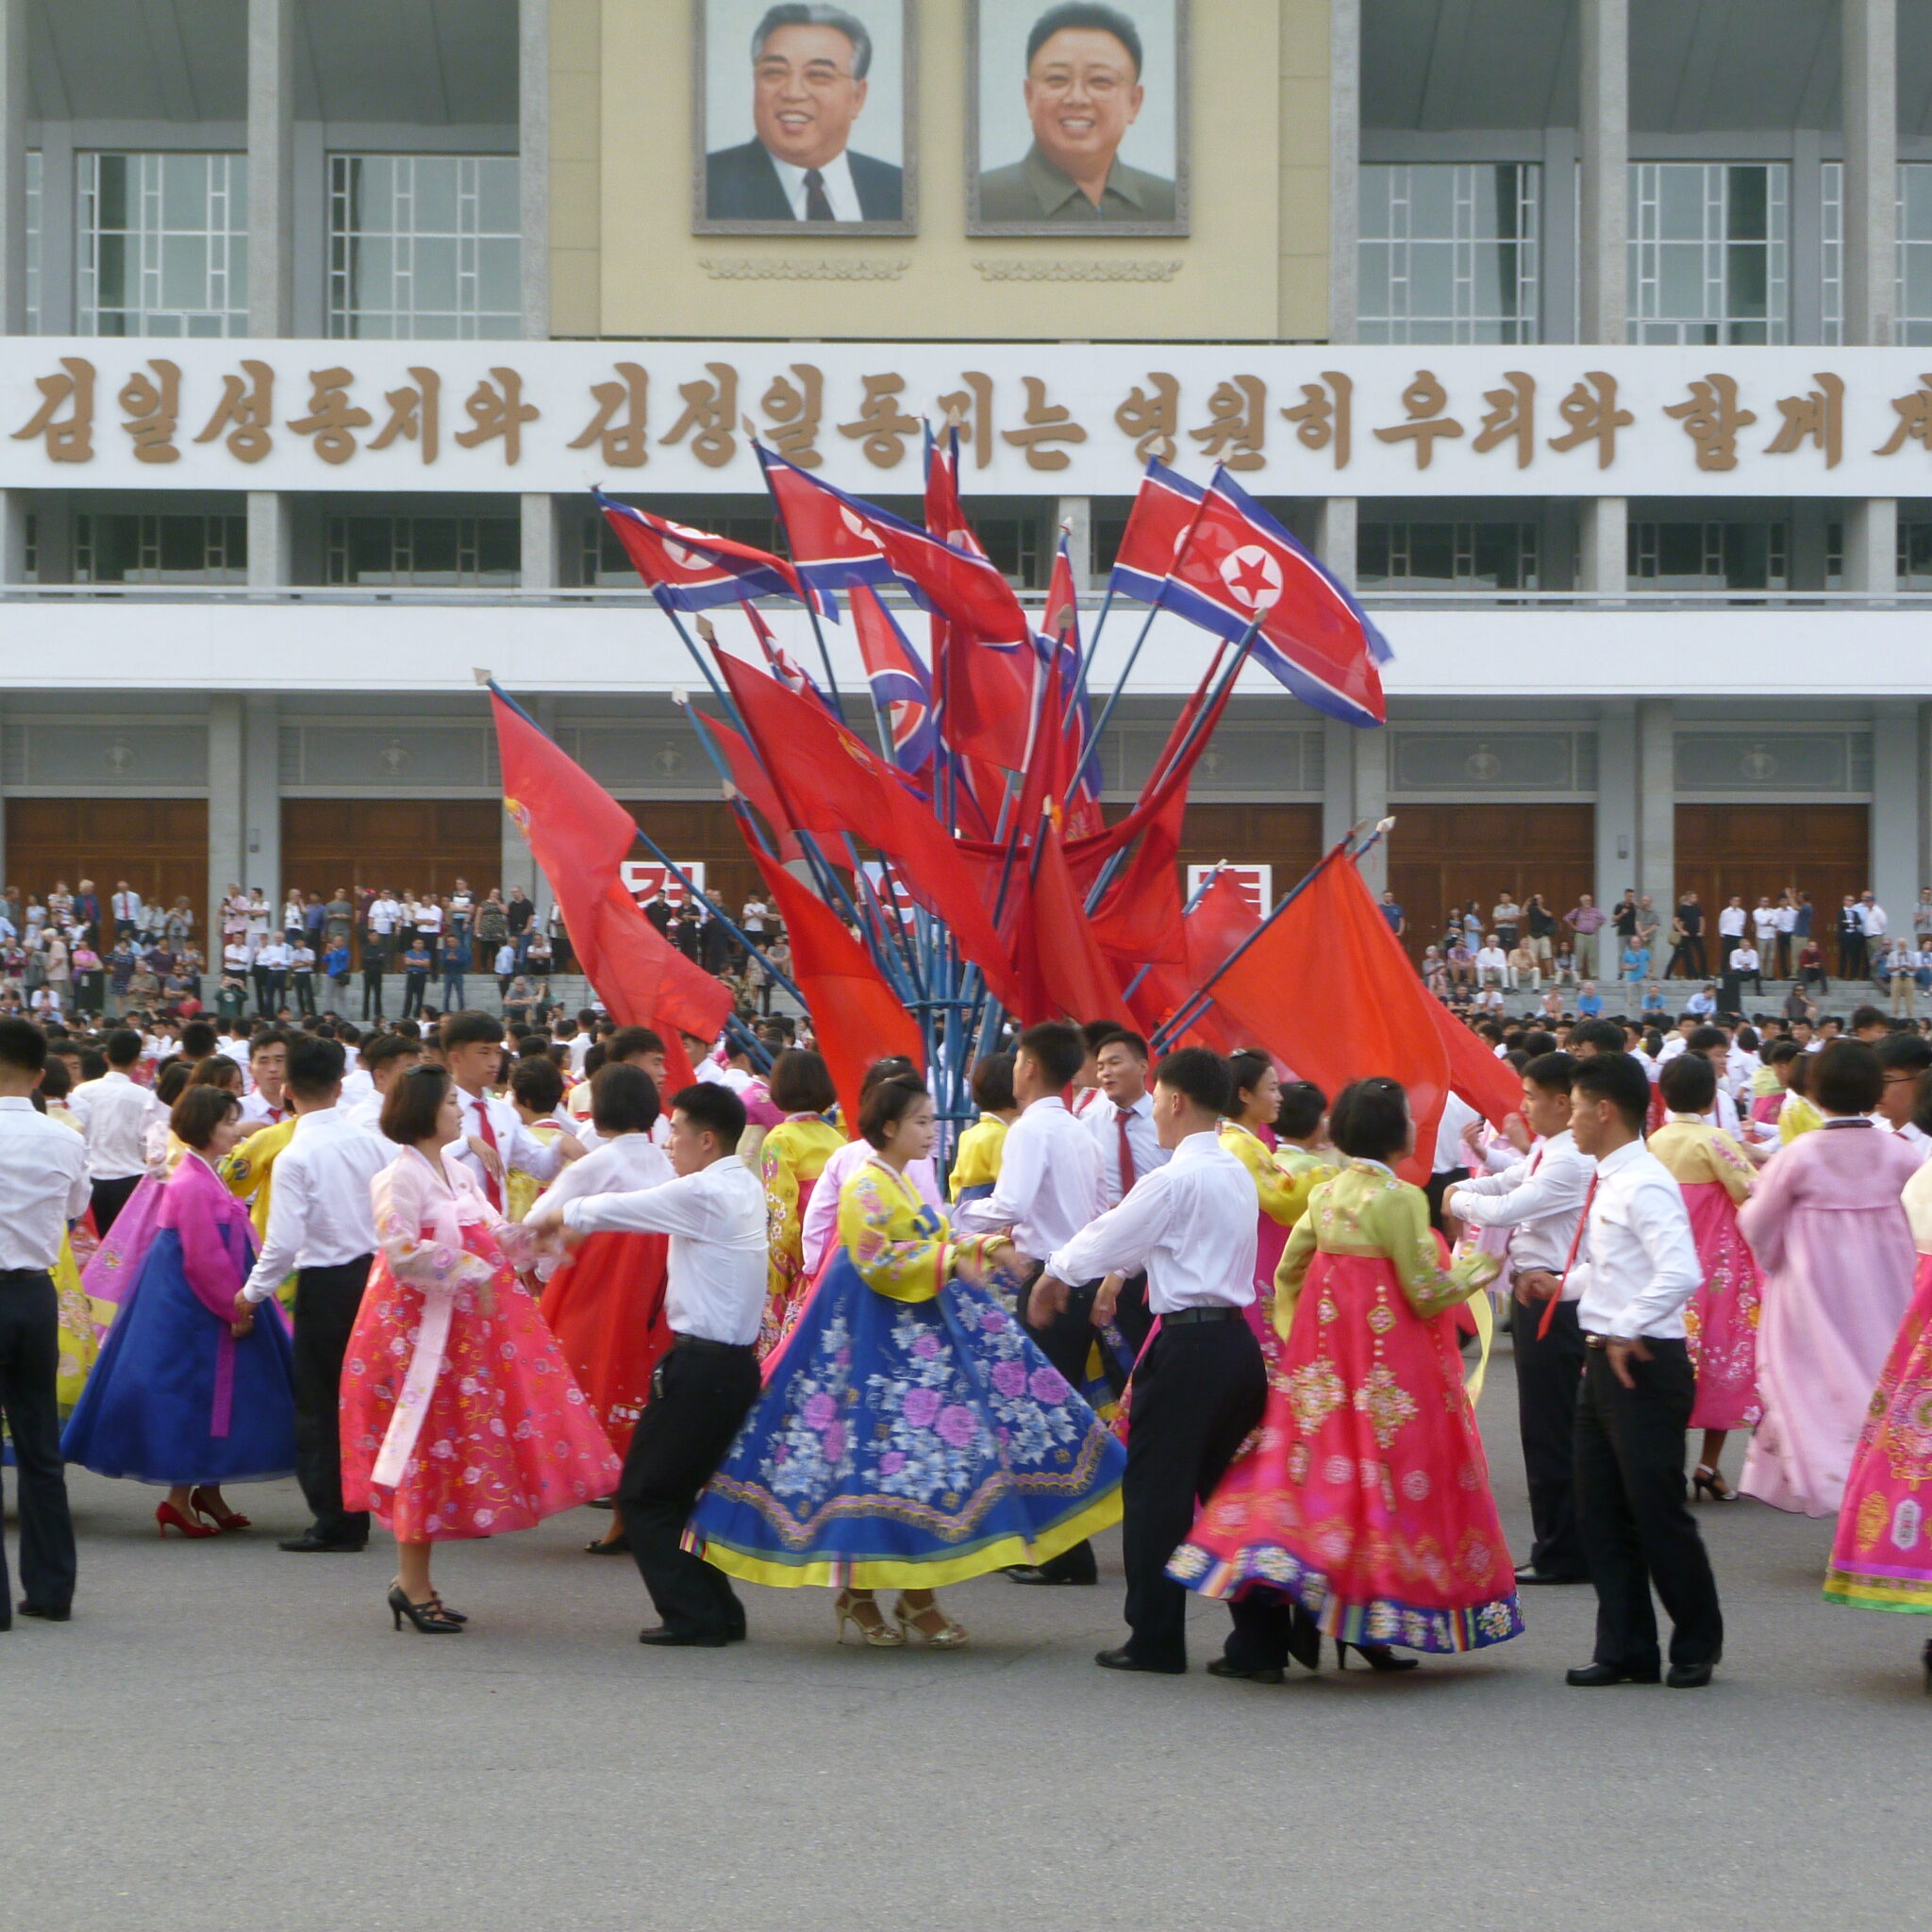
982,806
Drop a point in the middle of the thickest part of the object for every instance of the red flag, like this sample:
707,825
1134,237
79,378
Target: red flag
1492,1087
1327,988
752,782
1063,974
856,1017
828,782
1140,918
580,836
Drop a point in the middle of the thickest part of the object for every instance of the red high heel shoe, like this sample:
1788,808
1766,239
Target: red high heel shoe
197,1501
167,1517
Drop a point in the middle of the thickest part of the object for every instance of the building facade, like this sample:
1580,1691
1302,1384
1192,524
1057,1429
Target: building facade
1583,336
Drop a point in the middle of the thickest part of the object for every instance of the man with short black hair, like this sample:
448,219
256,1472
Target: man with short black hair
496,1138
43,1186
114,1115
1905,1058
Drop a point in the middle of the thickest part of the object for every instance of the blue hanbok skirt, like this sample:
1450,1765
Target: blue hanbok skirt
907,1444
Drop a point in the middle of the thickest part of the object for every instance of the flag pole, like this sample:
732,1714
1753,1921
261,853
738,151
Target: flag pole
1198,1001
717,911
1199,893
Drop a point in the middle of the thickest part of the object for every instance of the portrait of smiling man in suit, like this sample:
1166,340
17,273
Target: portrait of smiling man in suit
812,69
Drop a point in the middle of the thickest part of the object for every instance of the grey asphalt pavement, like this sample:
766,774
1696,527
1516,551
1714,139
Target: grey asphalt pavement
226,1736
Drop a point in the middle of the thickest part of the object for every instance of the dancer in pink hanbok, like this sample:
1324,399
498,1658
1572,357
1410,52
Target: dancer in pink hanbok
1827,1229
1715,1174
460,1417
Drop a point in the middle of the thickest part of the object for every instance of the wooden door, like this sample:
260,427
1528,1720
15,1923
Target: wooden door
158,845
1445,855
410,845
1752,851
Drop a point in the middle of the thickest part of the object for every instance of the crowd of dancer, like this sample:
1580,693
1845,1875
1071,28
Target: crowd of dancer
469,1280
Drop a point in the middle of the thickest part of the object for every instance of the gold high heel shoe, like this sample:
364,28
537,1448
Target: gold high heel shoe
878,1635
951,1635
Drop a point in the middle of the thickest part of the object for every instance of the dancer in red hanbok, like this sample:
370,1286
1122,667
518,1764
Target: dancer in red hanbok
1366,1499
460,1415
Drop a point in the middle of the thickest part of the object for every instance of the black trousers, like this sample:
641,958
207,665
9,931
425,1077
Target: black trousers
326,1300
699,1396
1549,1379
30,1357
109,1197
1197,1393
1635,1527
372,990
414,986
305,992
1067,1341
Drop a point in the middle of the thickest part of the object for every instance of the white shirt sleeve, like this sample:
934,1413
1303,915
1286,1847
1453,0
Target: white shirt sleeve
1121,1239
1488,1186
681,1206
1022,1167
282,1243
1556,1187
1663,1228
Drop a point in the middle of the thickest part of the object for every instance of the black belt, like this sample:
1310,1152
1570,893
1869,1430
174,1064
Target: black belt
705,1346
1183,1317
28,1275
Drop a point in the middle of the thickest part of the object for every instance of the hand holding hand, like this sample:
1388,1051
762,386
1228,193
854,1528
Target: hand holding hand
1106,1298
1535,1285
1045,1299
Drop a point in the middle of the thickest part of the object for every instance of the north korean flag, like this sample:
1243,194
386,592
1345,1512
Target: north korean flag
694,570
901,688
832,538
1164,514
1240,565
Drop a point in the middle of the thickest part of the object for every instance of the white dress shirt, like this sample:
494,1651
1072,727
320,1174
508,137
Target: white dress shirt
114,1114
1912,1134
1730,921
820,1221
841,191
624,1165
43,1184
319,1214
516,1146
1637,1266
1049,1187
1539,1197
1143,1142
256,1112
1190,1224
1457,1118
275,956
1744,959
1872,919
1764,924
716,1221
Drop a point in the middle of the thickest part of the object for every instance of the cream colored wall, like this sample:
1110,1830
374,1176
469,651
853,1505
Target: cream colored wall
625,263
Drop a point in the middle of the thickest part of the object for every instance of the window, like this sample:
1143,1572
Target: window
1708,251
1915,557
424,245
1013,545
1448,253
163,244
435,551
1447,556
1914,254
1708,556
122,548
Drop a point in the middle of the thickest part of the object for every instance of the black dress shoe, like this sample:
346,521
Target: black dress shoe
1304,1638
1125,1660
682,1639
310,1544
1530,1574
51,1613
1033,1572
1597,1676
1221,1667
619,1545
1685,1677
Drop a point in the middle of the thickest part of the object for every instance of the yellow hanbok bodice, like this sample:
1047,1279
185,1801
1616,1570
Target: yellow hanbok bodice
1283,1196
976,1162
1694,1150
519,1196
902,1248
1366,1210
249,1171
1796,1116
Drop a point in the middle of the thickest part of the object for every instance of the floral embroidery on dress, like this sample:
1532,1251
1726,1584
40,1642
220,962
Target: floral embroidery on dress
1387,1404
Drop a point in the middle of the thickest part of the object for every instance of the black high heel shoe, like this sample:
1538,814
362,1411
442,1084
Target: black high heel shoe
1378,1656
430,1618
1706,1481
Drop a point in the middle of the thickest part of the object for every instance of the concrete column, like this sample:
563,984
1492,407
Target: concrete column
1074,514
1338,780
1344,167
1618,835
14,506
1604,154
59,211
13,105
1895,812
1656,805
1806,225
540,557
1871,545
1603,549
272,29
1371,799
1557,294
533,161
227,843
270,539
1870,68
261,794
1335,535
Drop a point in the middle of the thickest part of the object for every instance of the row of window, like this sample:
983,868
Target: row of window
483,552
419,245
1451,252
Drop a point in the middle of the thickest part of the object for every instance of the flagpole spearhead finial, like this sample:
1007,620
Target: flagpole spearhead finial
1384,826
484,677
750,428
679,696
703,627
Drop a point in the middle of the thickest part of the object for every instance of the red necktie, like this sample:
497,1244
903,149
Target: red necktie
487,1134
1542,1327
1122,1117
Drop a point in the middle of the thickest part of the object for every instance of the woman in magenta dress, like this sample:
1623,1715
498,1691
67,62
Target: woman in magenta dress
1827,1226
1881,1558
460,1416
1714,1174
1366,1499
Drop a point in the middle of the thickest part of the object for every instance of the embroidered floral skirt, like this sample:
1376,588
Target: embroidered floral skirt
1881,1558
1722,1315
1367,1496
507,1438
905,1444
